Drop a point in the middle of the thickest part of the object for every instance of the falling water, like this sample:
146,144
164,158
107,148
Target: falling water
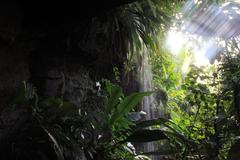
149,104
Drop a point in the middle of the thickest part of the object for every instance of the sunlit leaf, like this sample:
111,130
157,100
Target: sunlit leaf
127,105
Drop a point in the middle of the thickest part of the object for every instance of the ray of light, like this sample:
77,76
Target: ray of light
206,26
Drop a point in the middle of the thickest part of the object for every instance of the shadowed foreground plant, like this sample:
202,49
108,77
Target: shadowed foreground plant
71,133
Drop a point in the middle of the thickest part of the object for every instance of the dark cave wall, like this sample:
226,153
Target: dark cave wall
49,52
13,58
38,39
61,57
14,70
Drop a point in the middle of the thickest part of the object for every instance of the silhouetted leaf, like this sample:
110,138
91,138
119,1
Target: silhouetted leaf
146,136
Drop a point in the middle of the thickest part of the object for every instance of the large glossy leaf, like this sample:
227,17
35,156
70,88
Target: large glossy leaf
146,135
173,133
160,121
127,105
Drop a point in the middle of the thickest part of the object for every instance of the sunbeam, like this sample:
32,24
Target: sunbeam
203,28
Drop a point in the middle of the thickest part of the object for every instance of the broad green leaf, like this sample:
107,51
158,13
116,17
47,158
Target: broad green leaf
167,123
127,105
146,135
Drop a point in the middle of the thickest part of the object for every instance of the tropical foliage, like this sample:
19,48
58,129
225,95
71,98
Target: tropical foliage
68,131
202,103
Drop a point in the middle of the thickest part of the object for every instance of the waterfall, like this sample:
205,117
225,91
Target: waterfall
149,104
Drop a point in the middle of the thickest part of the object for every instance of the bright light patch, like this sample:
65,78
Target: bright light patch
203,33
238,1
186,65
200,58
175,41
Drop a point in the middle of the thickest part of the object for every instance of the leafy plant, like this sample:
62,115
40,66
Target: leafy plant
203,104
70,131
116,121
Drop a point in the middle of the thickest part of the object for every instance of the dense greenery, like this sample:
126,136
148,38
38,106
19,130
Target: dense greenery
70,129
67,130
202,105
